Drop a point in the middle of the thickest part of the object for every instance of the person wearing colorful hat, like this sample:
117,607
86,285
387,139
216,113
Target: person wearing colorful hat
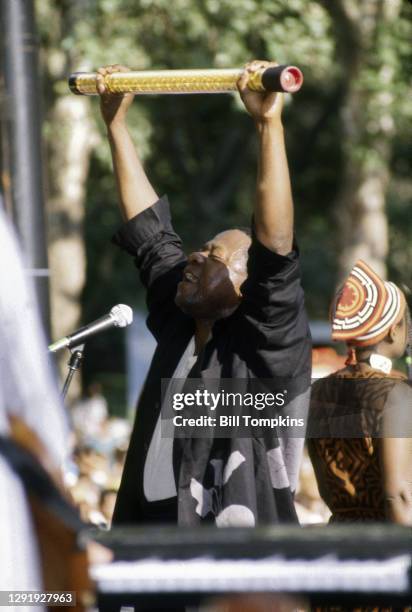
360,423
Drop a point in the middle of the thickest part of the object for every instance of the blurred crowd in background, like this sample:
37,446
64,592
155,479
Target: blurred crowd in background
99,450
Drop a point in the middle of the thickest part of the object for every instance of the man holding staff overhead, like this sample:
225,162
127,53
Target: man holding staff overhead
232,310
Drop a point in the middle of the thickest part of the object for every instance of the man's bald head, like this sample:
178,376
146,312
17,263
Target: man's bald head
211,283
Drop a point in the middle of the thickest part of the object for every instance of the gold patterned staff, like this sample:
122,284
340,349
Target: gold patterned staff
273,78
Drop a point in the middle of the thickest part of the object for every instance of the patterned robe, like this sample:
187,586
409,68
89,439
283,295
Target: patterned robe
346,425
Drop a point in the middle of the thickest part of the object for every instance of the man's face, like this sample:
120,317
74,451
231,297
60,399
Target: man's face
210,288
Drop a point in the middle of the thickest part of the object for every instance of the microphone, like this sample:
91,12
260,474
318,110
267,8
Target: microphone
119,316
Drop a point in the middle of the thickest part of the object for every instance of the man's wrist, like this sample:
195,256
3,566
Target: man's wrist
269,125
116,126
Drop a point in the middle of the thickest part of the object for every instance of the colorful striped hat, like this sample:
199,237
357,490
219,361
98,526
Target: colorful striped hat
366,307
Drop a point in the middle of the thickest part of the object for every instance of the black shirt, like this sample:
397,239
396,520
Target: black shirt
267,336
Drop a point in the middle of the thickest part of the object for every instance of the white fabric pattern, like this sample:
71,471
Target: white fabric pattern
235,515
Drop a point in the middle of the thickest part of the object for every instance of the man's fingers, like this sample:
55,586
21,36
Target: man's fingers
101,87
112,68
256,65
116,68
104,71
100,83
242,81
248,70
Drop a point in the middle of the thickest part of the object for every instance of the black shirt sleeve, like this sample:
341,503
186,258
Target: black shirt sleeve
150,238
274,320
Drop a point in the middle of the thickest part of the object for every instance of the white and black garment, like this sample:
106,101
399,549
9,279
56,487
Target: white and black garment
238,480
245,481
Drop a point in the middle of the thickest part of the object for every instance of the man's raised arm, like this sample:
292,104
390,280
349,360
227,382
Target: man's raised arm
147,235
273,212
135,190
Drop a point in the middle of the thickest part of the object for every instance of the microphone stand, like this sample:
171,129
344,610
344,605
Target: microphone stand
74,364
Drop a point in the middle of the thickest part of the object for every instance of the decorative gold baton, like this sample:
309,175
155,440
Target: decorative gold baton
274,78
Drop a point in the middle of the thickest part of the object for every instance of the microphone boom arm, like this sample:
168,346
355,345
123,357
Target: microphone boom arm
74,364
